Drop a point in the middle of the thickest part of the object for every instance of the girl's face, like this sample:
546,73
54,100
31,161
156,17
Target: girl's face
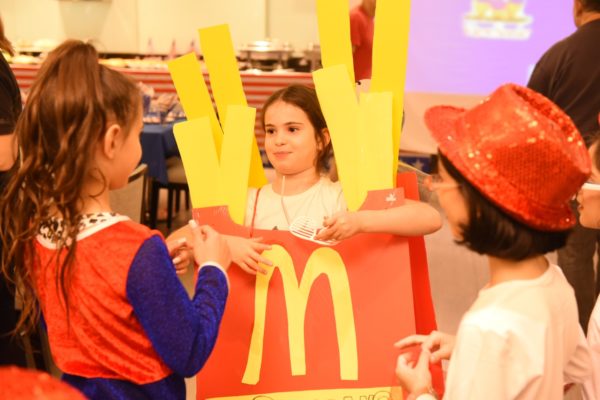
290,140
129,153
452,201
588,198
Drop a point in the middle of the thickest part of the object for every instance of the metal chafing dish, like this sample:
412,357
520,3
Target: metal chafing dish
266,55
312,55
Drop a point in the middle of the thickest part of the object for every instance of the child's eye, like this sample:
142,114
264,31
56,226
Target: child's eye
293,129
270,131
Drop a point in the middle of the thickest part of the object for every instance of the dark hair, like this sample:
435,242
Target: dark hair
306,99
591,5
594,139
4,42
493,232
71,104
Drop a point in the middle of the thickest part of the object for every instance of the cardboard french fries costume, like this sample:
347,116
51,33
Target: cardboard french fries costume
321,324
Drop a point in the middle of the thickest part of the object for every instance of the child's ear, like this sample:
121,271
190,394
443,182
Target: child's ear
112,140
326,139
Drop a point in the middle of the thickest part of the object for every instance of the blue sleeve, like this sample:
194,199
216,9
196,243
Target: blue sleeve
182,331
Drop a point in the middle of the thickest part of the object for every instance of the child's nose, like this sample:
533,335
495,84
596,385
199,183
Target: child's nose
279,138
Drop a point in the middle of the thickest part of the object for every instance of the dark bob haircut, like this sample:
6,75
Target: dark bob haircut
493,232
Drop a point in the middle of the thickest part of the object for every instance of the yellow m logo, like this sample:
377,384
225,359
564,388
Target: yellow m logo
322,261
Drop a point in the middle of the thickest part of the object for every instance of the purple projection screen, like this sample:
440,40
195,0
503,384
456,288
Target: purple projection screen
473,46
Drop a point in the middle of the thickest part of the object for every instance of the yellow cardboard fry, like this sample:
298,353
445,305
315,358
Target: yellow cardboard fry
193,93
375,141
235,160
226,85
334,34
390,53
338,102
199,156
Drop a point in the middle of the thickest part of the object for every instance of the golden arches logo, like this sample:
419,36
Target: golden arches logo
322,261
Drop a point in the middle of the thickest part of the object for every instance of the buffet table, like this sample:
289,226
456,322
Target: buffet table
258,86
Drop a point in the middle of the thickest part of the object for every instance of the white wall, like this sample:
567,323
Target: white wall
127,25
295,21
164,20
114,25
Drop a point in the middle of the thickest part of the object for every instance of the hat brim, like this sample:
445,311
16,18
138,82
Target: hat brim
444,124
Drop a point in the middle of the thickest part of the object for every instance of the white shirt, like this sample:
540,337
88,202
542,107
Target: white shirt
591,388
323,199
519,340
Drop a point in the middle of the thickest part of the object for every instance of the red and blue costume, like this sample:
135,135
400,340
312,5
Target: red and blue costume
131,330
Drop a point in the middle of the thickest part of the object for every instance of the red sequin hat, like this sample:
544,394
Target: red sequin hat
519,150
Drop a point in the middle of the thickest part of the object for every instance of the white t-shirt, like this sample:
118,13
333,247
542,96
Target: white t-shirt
591,388
519,340
323,199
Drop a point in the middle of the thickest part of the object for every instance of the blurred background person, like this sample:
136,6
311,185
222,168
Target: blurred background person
569,75
362,28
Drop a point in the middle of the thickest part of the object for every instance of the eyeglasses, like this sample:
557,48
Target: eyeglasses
434,182
591,186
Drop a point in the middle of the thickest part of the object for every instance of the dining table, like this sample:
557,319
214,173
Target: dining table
158,144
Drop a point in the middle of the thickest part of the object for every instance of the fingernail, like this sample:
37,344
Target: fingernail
193,224
176,260
183,240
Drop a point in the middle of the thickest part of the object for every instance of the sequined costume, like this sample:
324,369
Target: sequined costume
131,330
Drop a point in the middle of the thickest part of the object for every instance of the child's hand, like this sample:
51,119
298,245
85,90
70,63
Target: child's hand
209,245
247,253
439,344
181,254
340,226
415,378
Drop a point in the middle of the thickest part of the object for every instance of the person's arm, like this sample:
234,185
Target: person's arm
414,218
541,78
182,331
356,29
591,385
245,252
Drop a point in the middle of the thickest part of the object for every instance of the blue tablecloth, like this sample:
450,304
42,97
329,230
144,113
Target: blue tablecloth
158,144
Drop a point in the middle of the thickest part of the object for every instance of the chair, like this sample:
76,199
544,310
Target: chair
130,200
176,184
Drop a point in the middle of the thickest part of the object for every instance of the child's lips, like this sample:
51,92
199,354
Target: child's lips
281,154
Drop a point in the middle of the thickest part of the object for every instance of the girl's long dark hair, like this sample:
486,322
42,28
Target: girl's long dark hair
70,105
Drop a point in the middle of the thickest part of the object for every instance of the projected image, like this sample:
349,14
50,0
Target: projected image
473,46
497,19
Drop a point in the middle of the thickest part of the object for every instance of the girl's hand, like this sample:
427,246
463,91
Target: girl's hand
414,378
247,253
181,254
209,245
439,344
340,226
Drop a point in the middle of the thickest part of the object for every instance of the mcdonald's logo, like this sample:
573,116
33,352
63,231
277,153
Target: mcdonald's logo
322,261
